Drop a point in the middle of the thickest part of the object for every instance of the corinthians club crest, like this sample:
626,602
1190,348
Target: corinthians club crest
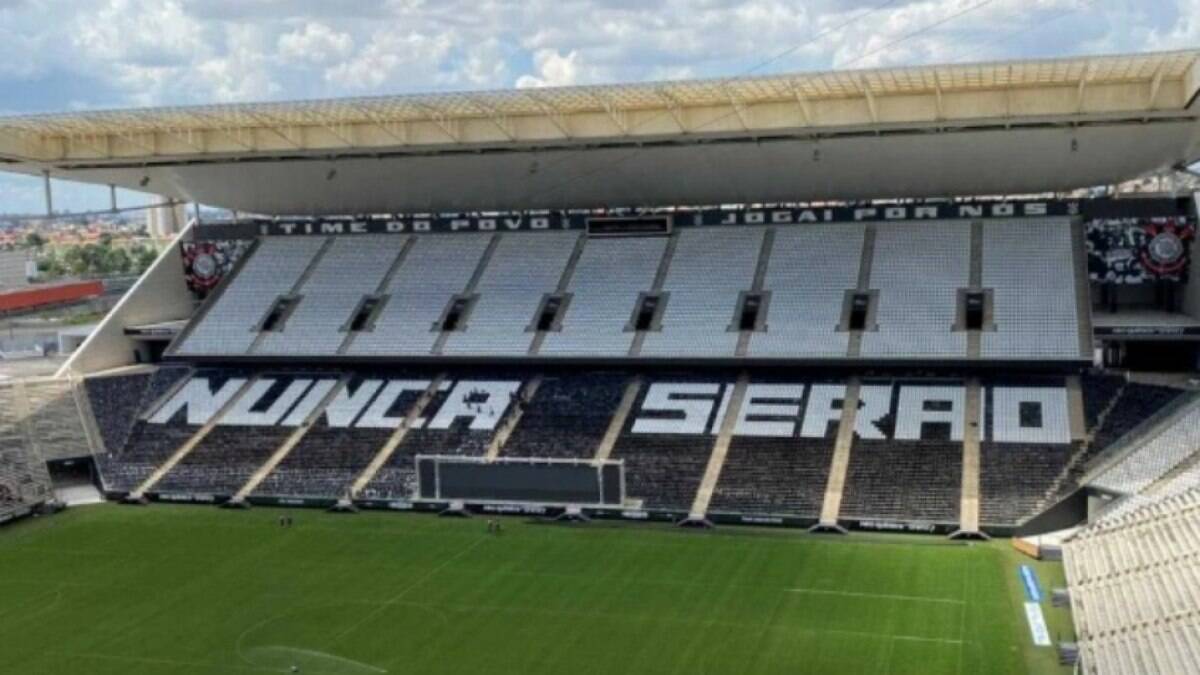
1166,246
206,263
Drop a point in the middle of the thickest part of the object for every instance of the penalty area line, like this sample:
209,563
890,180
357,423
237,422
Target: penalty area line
882,596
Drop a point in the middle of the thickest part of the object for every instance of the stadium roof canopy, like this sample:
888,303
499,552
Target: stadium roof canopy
941,130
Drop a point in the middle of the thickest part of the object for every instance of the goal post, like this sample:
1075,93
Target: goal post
521,480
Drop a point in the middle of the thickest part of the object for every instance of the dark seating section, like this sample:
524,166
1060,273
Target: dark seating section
567,417
779,476
1136,404
117,400
327,460
397,479
223,462
1098,393
149,445
325,463
662,470
1015,478
905,480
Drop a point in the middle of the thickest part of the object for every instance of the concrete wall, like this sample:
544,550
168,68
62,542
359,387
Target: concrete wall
160,295
12,269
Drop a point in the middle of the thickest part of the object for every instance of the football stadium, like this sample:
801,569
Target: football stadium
859,371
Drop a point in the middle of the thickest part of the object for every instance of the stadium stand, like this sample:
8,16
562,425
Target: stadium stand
239,312
397,478
328,459
117,400
1017,476
568,416
435,269
1019,255
522,269
1134,583
774,476
598,317
1133,405
291,297
665,457
700,304
918,269
24,481
808,274
902,466
913,481
1172,444
349,270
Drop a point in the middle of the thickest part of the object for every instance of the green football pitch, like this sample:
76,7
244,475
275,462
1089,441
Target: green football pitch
185,589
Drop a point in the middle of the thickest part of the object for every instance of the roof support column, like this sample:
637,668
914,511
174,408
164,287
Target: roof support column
49,193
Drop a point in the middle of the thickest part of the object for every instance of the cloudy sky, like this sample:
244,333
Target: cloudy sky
81,54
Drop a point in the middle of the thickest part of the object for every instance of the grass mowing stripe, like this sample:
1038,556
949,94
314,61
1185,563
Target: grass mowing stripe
199,591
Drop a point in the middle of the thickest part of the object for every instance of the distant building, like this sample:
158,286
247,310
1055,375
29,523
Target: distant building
164,222
15,268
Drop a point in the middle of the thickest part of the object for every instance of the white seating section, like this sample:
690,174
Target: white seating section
1176,443
523,268
608,278
435,269
331,294
708,272
917,269
275,267
809,272
1135,589
1027,264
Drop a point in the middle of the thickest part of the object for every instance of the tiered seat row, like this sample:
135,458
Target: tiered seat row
24,481
1135,588
116,400
1171,446
1033,288
662,470
231,325
498,281
397,479
915,480
905,459
1134,405
1015,478
567,418
774,476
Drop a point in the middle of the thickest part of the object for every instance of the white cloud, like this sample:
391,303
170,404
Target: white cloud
553,69
315,43
389,56
58,55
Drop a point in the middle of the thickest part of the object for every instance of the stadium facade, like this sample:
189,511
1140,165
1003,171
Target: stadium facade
857,299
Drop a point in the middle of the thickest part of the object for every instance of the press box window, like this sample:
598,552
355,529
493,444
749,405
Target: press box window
278,314
647,314
860,305
974,310
364,315
751,312
550,313
455,316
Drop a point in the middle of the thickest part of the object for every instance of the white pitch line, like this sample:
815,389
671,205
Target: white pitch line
884,596
408,589
165,662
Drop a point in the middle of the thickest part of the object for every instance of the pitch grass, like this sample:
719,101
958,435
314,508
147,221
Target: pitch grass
187,590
